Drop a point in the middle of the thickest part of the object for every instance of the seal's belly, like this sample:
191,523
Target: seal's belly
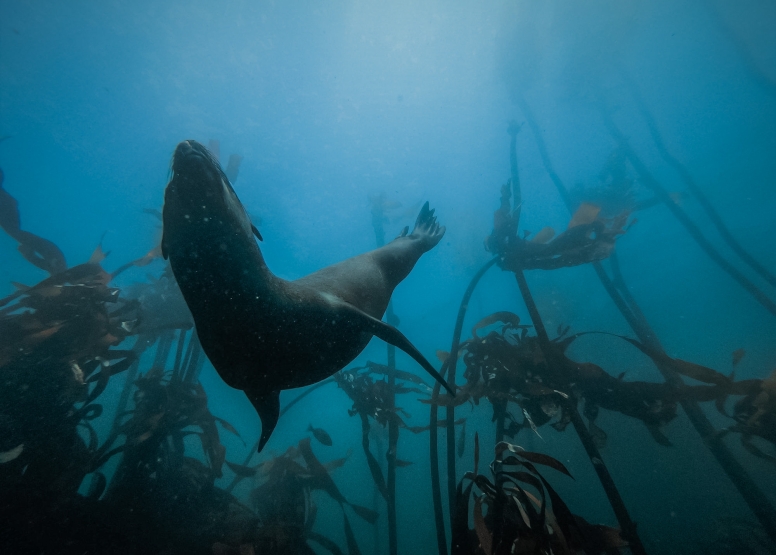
279,346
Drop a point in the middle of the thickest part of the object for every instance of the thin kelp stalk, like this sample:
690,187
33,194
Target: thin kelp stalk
378,216
757,501
176,369
194,360
684,219
436,493
696,191
187,365
499,501
612,493
141,344
393,441
501,411
160,358
163,349
517,195
255,448
627,525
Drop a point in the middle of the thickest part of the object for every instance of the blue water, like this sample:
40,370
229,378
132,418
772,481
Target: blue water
330,103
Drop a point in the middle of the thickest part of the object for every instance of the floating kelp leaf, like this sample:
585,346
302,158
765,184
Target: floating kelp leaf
511,320
350,537
689,369
367,514
526,522
337,463
460,445
38,251
528,419
546,234
242,470
586,213
229,428
538,458
483,534
11,454
374,466
320,475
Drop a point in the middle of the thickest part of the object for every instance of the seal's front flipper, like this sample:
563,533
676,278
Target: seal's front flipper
391,335
267,404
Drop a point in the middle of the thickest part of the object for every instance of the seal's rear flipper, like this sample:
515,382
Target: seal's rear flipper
427,230
267,404
391,335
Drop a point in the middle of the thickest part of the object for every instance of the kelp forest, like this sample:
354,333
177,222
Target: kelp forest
148,471
588,364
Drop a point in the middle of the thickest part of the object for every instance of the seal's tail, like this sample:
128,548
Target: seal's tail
427,230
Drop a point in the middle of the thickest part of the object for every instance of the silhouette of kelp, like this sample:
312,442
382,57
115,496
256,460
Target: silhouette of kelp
509,365
283,501
518,511
56,360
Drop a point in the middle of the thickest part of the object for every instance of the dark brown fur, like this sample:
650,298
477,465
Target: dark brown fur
262,333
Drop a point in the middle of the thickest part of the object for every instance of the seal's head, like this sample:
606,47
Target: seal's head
193,157
199,201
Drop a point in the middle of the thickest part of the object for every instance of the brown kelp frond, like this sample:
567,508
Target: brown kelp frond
283,501
372,397
376,399
166,411
507,366
36,250
518,511
755,415
589,238
57,360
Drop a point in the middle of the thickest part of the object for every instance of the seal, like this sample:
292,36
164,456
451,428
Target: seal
263,333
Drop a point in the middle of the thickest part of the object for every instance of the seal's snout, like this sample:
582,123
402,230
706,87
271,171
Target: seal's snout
184,148
192,159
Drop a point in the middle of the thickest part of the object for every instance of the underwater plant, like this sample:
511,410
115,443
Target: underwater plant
518,511
57,357
284,505
375,399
